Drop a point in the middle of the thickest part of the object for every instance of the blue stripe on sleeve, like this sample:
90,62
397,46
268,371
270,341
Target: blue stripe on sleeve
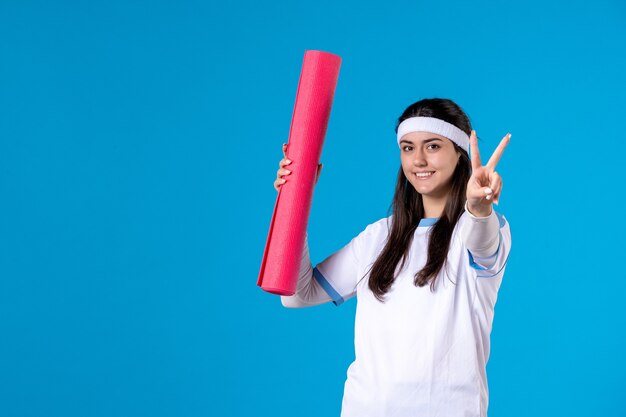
494,256
474,265
337,299
500,219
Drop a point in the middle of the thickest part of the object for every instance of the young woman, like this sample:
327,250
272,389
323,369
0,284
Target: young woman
426,277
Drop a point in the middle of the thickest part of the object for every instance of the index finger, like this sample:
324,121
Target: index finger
495,157
474,154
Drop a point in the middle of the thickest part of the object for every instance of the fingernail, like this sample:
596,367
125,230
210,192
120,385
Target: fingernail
495,202
488,197
287,161
488,190
288,172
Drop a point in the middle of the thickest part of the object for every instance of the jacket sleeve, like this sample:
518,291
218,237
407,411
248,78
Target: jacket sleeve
488,242
334,279
308,290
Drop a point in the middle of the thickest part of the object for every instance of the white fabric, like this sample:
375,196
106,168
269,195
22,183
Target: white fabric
433,125
420,353
476,235
481,234
308,291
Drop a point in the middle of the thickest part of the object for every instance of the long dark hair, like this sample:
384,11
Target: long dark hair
408,208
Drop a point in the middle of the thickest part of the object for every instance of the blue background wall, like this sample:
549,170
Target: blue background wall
138,146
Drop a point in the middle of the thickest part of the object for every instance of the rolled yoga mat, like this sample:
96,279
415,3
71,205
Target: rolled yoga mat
285,241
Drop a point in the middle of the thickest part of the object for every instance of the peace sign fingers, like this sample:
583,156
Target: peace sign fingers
495,157
484,179
474,153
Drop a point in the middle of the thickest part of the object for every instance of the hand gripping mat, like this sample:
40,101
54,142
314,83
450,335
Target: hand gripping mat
285,241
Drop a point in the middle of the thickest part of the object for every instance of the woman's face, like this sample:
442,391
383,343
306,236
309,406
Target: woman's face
424,152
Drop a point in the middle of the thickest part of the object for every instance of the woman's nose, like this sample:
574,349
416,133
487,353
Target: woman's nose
419,158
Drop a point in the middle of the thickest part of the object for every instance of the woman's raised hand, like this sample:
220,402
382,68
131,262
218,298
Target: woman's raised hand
485,184
282,171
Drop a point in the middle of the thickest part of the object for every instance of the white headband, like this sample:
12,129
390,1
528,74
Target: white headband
434,125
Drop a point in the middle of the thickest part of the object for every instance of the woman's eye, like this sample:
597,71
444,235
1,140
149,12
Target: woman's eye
437,146
406,147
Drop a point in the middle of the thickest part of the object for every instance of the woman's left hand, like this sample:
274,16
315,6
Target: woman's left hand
485,184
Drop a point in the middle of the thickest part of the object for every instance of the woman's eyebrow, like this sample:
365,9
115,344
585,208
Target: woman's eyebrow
424,141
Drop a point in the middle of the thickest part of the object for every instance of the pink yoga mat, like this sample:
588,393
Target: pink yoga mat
285,241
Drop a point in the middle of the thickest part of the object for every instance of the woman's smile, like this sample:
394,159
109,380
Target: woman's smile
424,175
